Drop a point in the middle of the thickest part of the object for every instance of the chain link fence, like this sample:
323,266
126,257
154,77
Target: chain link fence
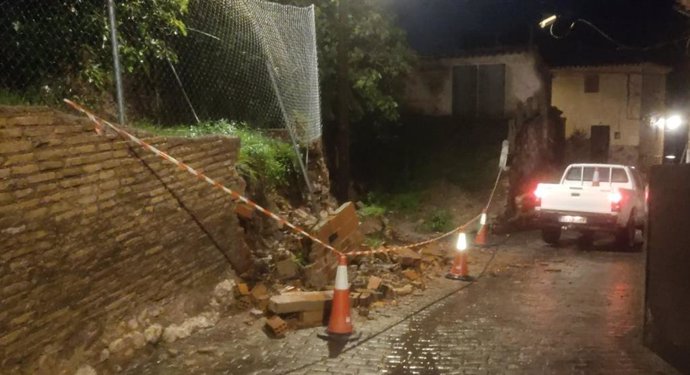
182,62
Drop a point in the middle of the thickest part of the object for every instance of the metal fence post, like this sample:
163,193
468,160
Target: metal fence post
116,63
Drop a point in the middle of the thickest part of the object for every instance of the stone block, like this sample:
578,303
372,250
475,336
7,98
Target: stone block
312,318
287,269
408,257
299,301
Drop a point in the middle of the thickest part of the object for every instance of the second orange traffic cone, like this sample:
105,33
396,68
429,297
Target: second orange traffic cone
480,239
459,270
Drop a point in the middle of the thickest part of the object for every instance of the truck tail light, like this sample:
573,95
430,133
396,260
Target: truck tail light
616,199
538,195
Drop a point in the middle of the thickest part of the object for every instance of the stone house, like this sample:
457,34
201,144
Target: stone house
498,94
485,85
610,105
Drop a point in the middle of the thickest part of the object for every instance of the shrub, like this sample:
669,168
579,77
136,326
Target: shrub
439,221
261,158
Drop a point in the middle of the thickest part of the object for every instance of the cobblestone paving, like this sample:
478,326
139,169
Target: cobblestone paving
536,310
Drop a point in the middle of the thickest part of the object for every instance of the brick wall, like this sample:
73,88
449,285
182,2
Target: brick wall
89,231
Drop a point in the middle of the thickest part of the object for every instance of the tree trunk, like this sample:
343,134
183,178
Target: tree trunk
342,185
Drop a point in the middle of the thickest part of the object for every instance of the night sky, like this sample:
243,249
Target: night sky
440,27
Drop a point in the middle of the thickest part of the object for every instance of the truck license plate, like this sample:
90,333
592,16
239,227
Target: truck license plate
573,219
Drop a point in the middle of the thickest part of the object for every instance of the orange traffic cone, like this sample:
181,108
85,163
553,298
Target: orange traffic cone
480,239
340,322
459,269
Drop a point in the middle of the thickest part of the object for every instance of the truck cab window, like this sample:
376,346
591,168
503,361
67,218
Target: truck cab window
603,174
618,175
574,174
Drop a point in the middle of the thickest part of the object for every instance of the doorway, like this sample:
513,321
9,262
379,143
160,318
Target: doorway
599,143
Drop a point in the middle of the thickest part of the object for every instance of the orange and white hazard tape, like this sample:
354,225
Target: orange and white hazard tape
100,124
417,244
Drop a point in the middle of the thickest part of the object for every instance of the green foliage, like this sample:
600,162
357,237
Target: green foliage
440,220
13,98
62,48
378,58
405,202
372,210
261,158
374,241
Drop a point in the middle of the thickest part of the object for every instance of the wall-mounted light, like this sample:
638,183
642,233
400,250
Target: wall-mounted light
548,21
672,122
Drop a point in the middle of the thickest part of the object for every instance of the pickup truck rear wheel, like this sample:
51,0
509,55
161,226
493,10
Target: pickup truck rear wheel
551,235
625,237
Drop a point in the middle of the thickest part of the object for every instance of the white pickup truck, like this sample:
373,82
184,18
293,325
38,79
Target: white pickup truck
593,198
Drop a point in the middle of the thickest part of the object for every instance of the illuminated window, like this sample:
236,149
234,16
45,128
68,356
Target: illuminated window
591,83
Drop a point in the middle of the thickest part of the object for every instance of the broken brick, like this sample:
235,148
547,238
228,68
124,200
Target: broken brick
364,299
245,211
276,326
411,275
242,289
409,258
259,290
374,283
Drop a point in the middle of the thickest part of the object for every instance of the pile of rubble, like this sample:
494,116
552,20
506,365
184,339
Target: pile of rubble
376,282
292,281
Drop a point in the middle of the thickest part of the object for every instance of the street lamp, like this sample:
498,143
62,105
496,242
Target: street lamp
548,21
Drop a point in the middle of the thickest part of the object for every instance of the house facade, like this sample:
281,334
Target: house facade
611,105
497,95
489,85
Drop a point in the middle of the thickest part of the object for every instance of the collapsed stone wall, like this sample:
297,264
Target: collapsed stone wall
91,230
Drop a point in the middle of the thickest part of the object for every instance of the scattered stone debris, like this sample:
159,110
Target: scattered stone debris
224,293
153,333
407,289
174,332
86,370
287,269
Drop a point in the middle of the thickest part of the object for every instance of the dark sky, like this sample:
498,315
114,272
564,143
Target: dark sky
444,26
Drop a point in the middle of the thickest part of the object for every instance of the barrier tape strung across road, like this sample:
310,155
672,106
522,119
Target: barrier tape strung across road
417,244
100,124
99,127
438,238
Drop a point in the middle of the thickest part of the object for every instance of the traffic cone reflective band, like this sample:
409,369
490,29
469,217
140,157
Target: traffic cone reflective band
459,269
340,322
480,240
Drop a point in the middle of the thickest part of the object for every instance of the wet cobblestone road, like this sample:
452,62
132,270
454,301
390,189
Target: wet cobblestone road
537,310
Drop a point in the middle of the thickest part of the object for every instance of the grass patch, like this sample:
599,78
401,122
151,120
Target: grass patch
261,158
372,210
439,220
405,202
13,98
374,241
